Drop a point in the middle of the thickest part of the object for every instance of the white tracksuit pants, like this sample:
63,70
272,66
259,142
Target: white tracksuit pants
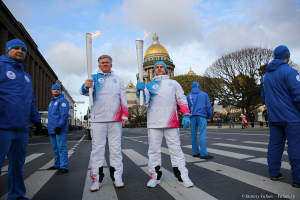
113,132
155,136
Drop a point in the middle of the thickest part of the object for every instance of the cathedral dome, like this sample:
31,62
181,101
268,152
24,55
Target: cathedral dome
156,48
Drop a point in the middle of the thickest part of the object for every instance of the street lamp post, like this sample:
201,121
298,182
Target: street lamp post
75,117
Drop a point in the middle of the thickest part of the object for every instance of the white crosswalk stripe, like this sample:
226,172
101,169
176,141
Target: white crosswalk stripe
168,180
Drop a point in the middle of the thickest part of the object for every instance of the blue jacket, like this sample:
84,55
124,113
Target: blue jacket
199,103
58,114
17,103
280,90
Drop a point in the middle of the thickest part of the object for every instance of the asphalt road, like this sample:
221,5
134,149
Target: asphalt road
239,169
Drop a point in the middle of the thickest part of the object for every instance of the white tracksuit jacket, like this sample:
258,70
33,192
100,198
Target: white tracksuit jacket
110,107
163,96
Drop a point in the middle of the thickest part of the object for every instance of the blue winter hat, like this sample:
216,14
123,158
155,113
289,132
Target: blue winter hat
195,84
161,63
56,86
15,43
281,52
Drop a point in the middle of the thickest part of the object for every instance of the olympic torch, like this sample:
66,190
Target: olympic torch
89,64
139,53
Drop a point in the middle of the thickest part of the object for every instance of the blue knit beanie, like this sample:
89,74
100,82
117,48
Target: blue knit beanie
281,52
195,84
55,86
15,43
160,63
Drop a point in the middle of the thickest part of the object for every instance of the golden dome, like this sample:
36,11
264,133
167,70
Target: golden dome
156,48
130,83
191,72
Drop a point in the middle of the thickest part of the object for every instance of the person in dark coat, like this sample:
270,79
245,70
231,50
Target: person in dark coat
252,119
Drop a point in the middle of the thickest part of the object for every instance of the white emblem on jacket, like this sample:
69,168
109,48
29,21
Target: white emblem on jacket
63,105
27,79
10,75
55,103
101,80
298,77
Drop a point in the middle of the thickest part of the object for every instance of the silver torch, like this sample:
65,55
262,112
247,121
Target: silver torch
89,64
139,53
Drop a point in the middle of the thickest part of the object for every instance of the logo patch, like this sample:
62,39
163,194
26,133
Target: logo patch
49,105
298,77
114,80
27,79
101,80
55,103
63,105
10,75
155,86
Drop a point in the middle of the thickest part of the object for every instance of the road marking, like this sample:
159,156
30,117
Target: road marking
217,138
244,147
232,140
188,158
264,143
225,153
255,180
27,159
284,165
169,181
38,179
106,191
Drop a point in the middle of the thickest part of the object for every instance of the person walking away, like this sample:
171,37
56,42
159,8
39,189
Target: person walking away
163,96
265,113
280,91
17,110
201,113
231,120
252,118
108,115
58,114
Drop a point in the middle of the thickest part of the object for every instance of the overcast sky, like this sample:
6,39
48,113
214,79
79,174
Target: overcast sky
195,32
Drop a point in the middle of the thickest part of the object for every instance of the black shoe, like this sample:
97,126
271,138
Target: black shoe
196,155
276,178
206,157
297,185
62,171
53,168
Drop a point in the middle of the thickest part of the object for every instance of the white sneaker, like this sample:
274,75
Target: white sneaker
95,187
187,183
152,183
118,183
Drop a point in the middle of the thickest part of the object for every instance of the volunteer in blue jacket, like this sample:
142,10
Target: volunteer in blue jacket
17,108
58,114
280,90
201,113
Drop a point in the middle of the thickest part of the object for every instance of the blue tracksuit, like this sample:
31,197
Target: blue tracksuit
200,107
58,114
17,108
280,90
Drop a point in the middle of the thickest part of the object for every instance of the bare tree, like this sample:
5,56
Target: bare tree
138,113
241,76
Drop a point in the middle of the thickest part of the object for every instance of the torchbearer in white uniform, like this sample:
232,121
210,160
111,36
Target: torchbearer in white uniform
163,96
109,114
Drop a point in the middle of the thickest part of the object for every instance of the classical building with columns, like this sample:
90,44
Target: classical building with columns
42,75
156,52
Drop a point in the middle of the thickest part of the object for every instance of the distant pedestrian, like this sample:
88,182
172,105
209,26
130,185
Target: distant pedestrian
17,111
260,118
231,120
252,119
201,113
265,113
244,121
58,114
219,120
280,90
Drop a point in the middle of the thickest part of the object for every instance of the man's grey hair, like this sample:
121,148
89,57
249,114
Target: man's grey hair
105,56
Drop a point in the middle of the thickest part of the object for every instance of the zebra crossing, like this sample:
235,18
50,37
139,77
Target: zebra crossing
233,149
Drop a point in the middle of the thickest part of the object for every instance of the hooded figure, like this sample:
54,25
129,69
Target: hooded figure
58,114
280,90
201,112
